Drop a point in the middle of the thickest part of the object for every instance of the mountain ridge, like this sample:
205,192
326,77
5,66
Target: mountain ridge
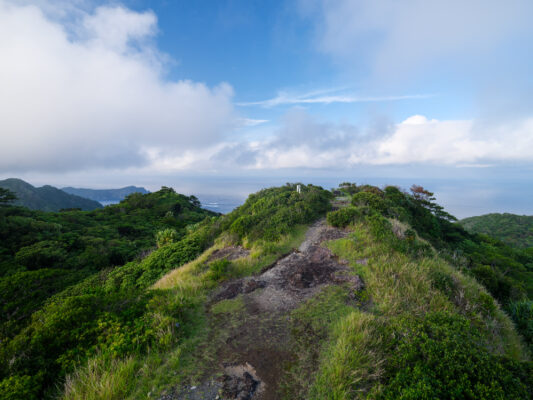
105,194
299,293
46,198
513,229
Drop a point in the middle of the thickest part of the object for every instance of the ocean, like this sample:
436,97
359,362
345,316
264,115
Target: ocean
462,197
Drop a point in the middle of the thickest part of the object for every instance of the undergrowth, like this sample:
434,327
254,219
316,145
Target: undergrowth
192,354
427,331
424,330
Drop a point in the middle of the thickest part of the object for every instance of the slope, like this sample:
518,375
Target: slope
70,281
378,305
515,230
46,198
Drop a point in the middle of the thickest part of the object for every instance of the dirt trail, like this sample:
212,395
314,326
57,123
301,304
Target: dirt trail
255,353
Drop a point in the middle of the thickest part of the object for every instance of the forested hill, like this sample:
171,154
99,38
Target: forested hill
363,292
46,198
515,230
105,194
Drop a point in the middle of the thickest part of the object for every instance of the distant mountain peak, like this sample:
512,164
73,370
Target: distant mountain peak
105,194
46,198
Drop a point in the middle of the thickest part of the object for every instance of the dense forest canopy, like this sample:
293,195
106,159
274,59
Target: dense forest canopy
515,230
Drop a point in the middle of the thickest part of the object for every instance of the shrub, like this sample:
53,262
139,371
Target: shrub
345,216
272,213
443,281
218,269
443,357
166,236
43,254
369,199
521,312
18,387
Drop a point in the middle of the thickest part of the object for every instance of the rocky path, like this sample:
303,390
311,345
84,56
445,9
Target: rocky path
253,356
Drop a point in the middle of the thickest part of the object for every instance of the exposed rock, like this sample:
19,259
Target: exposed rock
261,335
238,387
229,291
240,382
252,285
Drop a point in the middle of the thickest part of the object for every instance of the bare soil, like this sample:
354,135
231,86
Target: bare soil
255,353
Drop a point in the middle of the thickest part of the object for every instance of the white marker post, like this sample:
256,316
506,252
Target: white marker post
299,188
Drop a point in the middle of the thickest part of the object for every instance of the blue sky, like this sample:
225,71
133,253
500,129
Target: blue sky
105,93
264,48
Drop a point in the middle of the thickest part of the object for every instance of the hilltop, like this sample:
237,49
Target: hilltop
515,230
364,292
46,198
105,194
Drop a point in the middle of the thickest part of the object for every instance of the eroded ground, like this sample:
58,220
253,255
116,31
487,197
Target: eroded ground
253,342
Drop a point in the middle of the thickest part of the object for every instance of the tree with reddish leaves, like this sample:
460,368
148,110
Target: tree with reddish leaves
426,199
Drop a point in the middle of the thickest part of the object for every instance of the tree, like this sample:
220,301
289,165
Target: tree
427,199
166,236
6,197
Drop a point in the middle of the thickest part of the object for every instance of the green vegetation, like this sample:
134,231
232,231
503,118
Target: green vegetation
515,230
73,283
422,328
117,303
89,276
271,213
46,198
191,351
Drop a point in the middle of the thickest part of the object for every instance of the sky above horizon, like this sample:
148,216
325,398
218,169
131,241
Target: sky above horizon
107,93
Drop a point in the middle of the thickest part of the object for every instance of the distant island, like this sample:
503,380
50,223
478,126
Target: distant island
107,195
46,198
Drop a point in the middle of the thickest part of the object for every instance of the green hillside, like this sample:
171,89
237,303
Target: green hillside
385,298
105,194
515,230
46,198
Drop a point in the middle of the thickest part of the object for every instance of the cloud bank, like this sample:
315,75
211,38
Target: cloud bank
302,141
88,89
83,88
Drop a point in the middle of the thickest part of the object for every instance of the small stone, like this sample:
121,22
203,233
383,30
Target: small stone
193,387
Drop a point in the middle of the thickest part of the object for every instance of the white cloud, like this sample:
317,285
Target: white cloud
284,98
92,92
418,140
252,122
303,142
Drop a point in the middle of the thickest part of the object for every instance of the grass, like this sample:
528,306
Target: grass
311,324
400,289
343,342
101,379
353,363
228,306
154,373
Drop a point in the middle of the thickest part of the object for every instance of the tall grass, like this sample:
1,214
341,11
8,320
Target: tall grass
101,379
401,289
137,376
